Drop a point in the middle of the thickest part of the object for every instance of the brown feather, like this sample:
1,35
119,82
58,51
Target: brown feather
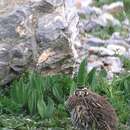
90,108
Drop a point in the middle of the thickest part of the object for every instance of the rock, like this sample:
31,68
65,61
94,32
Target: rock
95,41
15,47
85,3
89,11
126,22
127,54
101,51
46,6
114,8
21,56
50,31
56,35
72,19
9,23
118,42
78,3
116,35
38,31
13,61
118,49
113,64
107,19
110,75
89,25
94,64
4,60
6,7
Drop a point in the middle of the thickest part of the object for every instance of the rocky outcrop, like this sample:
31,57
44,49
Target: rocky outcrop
36,34
15,44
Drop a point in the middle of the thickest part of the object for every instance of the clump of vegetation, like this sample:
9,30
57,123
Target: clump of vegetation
126,7
37,101
102,2
38,94
105,32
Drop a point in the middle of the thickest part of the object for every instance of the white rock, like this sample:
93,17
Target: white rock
101,51
93,41
35,0
97,11
126,22
117,49
118,42
94,64
107,19
83,3
115,7
86,3
114,64
127,55
90,11
116,35
110,75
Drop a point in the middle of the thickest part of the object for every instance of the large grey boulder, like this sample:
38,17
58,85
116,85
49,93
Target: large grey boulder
54,42
40,35
10,22
15,44
46,6
13,61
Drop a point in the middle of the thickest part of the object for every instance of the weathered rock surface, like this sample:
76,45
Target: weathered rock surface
13,61
46,6
38,33
54,35
113,8
15,49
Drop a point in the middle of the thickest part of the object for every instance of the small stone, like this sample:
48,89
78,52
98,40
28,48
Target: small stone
120,42
101,51
107,19
90,25
94,64
46,6
90,11
114,64
116,35
114,8
118,49
95,41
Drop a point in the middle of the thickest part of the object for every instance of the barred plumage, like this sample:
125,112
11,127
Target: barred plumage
89,110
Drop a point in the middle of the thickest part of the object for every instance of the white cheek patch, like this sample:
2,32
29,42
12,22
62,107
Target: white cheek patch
80,93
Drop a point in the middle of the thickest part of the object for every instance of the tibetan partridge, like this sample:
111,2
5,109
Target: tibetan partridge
90,111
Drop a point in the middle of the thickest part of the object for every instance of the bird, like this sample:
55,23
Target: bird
91,111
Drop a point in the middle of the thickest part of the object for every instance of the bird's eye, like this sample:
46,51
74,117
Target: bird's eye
76,93
86,93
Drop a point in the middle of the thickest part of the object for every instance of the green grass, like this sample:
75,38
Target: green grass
37,101
102,2
105,32
126,7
